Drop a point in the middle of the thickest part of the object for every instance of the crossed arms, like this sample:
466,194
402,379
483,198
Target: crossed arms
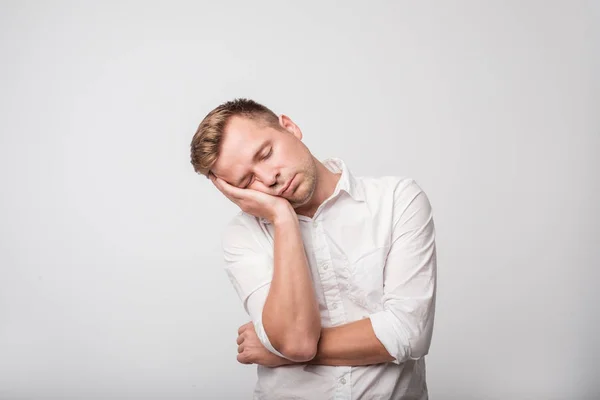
285,325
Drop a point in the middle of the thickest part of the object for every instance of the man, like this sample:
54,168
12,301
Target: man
337,272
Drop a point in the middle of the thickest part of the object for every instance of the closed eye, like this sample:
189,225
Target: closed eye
268,154
249,182
252,176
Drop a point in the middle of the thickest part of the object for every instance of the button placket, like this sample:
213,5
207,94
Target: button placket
329,281
344,387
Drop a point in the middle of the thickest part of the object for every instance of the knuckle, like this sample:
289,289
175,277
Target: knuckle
243,358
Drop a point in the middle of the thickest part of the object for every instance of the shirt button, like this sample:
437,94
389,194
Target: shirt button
343,381
334,306
325,266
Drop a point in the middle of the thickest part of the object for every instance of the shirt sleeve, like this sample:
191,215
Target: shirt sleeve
249,266
405,325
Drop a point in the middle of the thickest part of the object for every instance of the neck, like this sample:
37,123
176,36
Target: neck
326,183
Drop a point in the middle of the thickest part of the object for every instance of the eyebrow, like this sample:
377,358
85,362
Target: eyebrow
256,154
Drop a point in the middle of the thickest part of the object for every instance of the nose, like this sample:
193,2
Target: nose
266,176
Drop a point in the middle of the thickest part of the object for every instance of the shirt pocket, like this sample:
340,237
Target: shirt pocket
366,277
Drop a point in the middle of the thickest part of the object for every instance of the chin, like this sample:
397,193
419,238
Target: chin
299,201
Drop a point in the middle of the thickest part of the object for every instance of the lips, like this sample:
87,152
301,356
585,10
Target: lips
282,191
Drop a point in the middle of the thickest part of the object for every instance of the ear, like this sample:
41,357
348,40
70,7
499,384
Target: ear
289,125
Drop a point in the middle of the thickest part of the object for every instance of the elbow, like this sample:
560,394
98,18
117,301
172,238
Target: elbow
418,352
298,345
403,337
419,346
300,348
300,352
415,349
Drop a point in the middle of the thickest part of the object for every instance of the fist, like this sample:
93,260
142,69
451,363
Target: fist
252,351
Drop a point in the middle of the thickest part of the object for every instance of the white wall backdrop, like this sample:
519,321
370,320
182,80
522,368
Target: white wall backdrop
111,280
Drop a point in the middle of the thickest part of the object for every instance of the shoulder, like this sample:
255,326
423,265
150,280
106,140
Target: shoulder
241,230
394,186
400,193
241,221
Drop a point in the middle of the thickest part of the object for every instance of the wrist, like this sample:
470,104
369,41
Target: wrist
284,214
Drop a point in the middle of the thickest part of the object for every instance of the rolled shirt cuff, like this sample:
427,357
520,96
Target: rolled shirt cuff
391,335
264,339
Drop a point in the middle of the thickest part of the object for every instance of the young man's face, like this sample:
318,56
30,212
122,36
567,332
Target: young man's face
256,156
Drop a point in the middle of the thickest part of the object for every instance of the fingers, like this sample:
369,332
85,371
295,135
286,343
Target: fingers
219,185
227,189
244,327
243,359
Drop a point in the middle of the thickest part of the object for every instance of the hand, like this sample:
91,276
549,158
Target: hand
251,201
252,351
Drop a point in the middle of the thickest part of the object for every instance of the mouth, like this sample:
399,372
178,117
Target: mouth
283,190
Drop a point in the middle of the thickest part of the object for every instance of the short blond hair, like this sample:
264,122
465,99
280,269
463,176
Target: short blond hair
206,142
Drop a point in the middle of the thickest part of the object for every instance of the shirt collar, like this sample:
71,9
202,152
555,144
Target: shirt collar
347,182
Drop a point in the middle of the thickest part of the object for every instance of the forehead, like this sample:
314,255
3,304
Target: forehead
241,138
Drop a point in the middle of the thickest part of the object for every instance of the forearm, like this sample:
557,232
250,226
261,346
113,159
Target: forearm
290,315
350,344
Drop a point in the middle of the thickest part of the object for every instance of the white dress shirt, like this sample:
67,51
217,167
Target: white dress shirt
371,252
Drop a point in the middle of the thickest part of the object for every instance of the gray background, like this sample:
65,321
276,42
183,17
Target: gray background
111,280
